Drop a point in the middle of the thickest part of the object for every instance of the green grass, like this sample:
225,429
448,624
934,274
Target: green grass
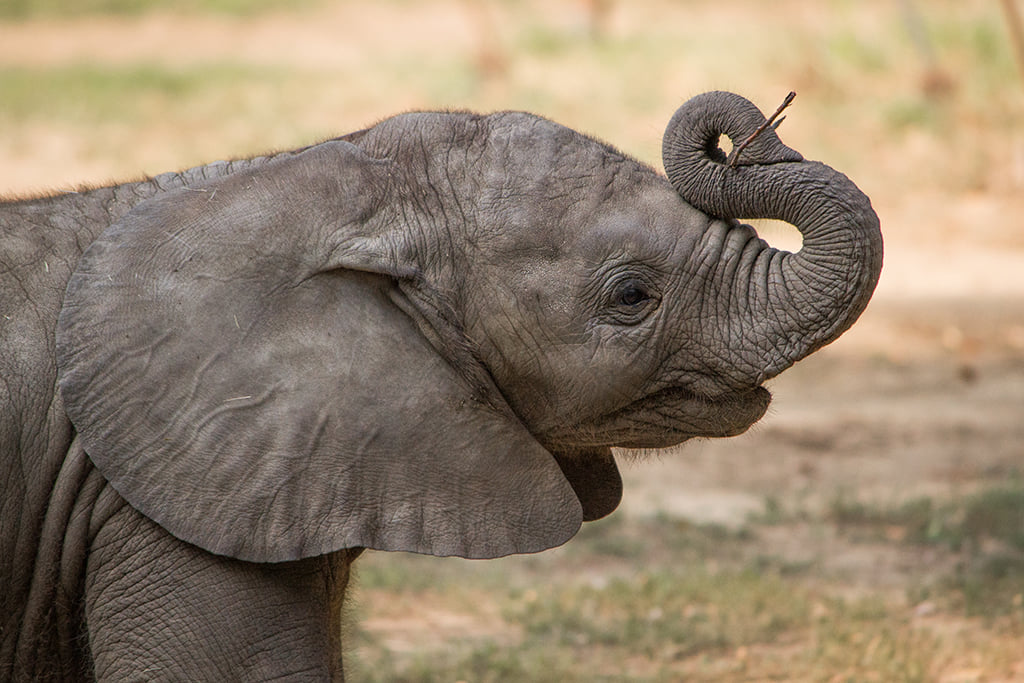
996,513
33,9
985,530
714,605
993,514
665,626
665,615
83,94
989,586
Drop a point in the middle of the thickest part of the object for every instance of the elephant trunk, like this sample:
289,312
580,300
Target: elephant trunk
778,306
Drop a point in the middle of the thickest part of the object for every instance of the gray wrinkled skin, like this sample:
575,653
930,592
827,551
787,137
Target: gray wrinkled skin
220,385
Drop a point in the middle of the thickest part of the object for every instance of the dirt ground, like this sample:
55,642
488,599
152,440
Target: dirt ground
924,397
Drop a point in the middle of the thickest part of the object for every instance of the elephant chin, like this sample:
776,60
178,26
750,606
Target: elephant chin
672,416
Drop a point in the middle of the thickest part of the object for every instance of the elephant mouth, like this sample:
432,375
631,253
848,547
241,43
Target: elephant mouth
671,416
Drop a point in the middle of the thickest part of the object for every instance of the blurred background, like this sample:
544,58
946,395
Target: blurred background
872,526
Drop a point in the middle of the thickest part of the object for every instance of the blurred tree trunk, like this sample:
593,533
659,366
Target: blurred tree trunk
1013,21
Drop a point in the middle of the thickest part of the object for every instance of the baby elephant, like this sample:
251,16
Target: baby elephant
220,385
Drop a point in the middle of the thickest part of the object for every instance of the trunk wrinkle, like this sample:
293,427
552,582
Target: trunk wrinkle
805,299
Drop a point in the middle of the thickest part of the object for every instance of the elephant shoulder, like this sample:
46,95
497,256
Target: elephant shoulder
37,256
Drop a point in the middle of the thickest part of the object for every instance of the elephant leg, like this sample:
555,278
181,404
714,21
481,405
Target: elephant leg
157,608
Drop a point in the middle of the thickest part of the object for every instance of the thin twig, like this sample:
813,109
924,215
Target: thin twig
735,154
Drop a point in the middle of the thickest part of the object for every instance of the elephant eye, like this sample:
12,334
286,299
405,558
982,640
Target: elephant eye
630,301
631,293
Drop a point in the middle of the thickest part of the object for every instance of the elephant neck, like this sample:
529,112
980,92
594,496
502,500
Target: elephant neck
79,216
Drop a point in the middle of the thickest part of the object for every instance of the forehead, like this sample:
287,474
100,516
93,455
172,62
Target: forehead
650,221
560,193
649,226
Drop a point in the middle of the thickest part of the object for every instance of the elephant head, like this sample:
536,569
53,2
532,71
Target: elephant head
428,335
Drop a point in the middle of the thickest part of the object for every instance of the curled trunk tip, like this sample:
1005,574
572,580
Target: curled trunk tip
784,305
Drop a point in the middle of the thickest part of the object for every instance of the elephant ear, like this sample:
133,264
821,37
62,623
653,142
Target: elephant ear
244,363
595,480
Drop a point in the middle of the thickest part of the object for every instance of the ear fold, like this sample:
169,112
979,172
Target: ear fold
241,365
595,480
